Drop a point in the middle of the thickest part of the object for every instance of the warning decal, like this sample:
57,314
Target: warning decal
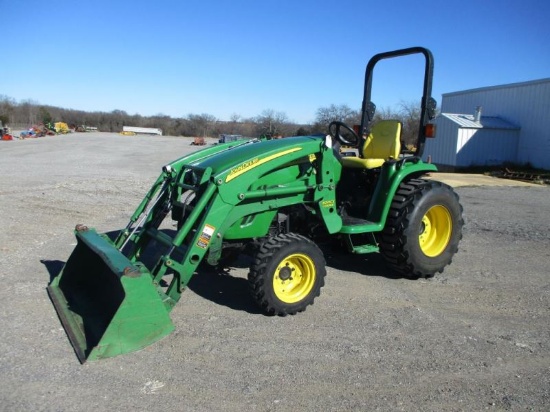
206,235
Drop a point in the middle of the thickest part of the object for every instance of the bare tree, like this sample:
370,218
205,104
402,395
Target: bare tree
386,113
410,117
233,126
201,124
272,123
28,113
342,113
7,106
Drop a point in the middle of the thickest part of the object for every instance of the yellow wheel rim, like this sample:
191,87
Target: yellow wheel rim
435,231
294,278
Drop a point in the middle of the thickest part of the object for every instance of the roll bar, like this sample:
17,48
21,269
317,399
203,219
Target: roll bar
428,104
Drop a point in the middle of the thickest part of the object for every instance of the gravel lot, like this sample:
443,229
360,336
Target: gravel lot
473,338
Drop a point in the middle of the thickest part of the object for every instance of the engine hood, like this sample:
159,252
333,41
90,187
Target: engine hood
236,160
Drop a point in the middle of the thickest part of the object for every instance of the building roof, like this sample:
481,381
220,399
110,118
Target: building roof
466,121
502,86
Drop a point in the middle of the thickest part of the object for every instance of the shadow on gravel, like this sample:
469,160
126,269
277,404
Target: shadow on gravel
53,267
212,283
371,264
218,286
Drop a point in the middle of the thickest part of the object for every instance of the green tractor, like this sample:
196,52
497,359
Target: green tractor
277,199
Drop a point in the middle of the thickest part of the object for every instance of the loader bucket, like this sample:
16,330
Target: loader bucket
107,304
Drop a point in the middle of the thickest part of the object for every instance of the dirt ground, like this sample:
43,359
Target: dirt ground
473,338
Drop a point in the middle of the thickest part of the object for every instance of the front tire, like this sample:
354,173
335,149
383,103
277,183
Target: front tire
287,274
423,228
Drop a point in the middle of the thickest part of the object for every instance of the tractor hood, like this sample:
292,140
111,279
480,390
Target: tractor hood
236,160
236,168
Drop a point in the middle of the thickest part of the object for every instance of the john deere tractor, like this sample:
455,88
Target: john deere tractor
277,199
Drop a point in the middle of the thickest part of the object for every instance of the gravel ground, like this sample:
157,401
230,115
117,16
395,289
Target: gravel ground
473,338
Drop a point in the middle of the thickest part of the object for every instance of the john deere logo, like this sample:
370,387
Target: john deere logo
327,203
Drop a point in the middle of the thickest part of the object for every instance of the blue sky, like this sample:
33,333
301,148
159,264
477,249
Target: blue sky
243,57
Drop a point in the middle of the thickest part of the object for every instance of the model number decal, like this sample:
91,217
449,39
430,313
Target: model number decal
251,164
241,169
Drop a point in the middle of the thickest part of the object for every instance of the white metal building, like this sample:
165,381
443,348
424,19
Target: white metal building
142,130
519,111
464,140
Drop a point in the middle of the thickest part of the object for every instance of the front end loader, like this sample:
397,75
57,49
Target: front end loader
279,200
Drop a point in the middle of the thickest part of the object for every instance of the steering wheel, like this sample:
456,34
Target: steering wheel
334,131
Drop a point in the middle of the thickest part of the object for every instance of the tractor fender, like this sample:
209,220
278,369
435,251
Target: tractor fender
391,176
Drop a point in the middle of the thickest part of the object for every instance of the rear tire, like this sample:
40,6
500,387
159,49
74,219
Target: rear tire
423,228
287,274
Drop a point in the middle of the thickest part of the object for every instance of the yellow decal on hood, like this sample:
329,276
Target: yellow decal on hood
251,164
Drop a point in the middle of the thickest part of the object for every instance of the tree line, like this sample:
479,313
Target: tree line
269,122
